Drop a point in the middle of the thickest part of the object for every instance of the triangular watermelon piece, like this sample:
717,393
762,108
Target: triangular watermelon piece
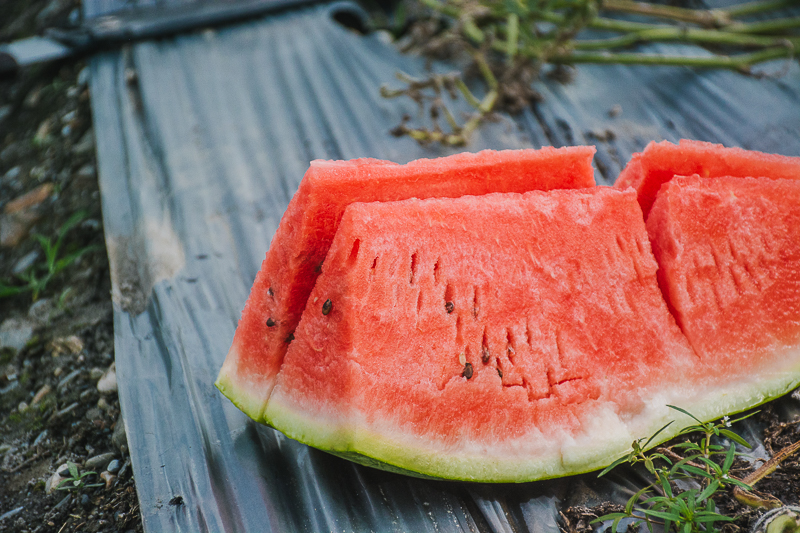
498,338
659,162
729,256
291,267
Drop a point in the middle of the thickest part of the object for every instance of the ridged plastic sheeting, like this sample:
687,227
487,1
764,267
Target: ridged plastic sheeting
203,138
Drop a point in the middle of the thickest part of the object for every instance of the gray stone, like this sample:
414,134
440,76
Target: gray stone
66,379
44,311
67,409
53,482
12,173
86,144
98,463
15,333
41,438
12,512
96,373
83,76
108,383
94,414
114,466
25,262
86,171
119,438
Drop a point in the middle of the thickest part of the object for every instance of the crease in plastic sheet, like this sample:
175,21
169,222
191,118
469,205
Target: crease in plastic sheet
208,141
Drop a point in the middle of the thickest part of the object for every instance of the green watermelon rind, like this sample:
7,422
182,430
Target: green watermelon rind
380,451
249,397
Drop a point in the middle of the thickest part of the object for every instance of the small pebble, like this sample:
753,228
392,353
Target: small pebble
41,393
103,404
22,406
96,373
108,478
40,310
114,466
119,437
15,333
25,262
40,439
83,76
85,500
99,462
63,470
13,173
67,409
58,371
53,482
108,383
66,379
94,414
12,512
86,171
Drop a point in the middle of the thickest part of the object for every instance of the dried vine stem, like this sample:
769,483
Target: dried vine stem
504,44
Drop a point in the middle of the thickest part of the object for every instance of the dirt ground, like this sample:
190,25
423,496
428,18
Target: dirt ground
58,400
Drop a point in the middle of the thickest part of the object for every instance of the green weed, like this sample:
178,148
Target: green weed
688,511
37,276
76,480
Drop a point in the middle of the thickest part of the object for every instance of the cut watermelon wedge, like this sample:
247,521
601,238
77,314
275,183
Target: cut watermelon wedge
498,338
288,273
729,256
659,162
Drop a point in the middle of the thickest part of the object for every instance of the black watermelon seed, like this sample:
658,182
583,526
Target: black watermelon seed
499,372
269,291
449,307
290,338
327,306
270,322
486,356
467,373
318,268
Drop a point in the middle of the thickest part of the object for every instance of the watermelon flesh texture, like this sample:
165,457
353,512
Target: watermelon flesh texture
659,162
729,256
293,262
503,338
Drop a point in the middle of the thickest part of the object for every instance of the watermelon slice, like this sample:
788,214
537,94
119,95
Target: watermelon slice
499,338
729,257
291,267
659,162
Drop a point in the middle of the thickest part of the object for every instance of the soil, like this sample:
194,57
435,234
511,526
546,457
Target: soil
58,400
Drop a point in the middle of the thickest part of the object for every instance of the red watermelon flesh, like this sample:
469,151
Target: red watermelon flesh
659,162
729,257
498,338
291,267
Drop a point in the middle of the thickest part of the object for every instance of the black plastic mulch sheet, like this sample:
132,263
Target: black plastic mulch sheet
202,140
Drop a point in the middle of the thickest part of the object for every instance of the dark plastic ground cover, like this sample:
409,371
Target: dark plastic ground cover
202,140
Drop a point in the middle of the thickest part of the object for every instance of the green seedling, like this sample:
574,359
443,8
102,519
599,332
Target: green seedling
36,277
76,480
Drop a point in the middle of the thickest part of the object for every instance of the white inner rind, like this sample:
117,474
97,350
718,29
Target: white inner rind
603,437
247,391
